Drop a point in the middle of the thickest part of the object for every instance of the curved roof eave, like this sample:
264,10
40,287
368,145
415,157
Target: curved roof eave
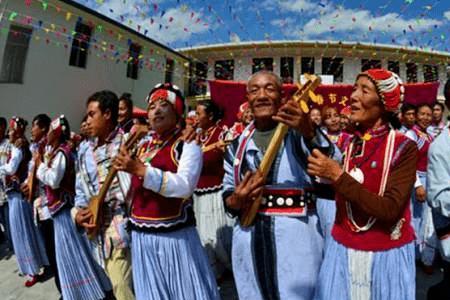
311,43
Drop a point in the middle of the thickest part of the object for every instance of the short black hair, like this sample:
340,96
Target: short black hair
408,106
440,104
126,98
107,100
3,122
211,108
43,121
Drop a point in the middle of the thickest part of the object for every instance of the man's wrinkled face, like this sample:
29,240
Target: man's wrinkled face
264,96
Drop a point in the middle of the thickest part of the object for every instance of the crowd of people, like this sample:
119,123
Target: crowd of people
354,199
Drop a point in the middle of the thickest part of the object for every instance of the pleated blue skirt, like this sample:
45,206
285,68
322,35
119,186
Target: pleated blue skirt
27,241
171,265
391,275
81,277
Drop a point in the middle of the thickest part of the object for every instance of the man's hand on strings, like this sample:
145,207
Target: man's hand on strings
83,218
292,115
124,162
250,188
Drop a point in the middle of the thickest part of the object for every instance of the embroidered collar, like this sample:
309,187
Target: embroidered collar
156,144
157,139
110,137
373,132
421,133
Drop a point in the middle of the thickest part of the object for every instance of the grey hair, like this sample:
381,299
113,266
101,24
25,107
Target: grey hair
266,72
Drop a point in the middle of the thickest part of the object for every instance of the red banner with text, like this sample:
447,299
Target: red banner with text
228,95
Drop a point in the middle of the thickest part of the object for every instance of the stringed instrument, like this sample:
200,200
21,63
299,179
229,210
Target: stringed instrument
96,201
301,96
218,144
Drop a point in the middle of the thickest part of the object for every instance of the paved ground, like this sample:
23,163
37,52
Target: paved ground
11,285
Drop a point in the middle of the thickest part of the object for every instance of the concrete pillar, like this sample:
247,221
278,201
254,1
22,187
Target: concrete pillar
317,65
402,71
352,67
420,77
276,65
211,66
297,68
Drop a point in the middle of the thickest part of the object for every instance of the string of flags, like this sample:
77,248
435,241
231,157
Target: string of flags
158,15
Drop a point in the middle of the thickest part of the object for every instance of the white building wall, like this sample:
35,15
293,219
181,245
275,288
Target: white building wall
51,86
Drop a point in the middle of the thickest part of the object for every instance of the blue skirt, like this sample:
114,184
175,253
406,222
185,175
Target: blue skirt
389,274
81,277
27,241
171,265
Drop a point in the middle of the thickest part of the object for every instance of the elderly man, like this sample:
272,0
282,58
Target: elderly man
438,196
279,256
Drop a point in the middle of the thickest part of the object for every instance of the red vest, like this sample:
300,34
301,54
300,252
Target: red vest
212,171
57,198
380,236
150,209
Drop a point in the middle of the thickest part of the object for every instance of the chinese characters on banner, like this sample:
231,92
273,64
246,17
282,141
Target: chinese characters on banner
230,94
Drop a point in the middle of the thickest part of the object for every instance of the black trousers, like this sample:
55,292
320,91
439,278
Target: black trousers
48,233
4,220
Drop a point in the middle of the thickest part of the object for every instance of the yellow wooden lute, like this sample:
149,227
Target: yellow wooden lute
96,201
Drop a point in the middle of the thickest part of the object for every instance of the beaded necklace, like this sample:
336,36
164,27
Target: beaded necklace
154,147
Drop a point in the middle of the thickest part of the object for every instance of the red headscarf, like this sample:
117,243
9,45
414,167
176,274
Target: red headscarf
389,87
170,93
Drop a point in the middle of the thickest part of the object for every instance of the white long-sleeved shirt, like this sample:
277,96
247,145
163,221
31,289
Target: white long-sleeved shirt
10,168
53,175
182,183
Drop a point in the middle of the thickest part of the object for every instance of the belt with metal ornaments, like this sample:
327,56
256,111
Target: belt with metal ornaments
287,201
